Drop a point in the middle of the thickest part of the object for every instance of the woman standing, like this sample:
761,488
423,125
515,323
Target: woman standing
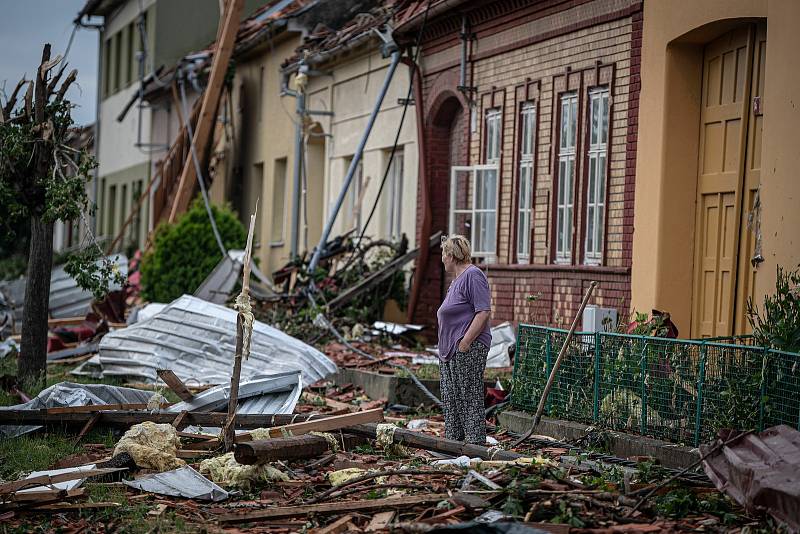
464,340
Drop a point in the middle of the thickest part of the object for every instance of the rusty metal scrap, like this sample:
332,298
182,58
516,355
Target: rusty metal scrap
760,471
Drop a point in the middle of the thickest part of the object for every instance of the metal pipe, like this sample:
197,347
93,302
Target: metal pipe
354,163
300,110
462,78
96,140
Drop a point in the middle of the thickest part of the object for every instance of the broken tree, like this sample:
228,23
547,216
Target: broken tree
44,180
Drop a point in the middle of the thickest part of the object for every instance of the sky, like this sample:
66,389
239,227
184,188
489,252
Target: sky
26,25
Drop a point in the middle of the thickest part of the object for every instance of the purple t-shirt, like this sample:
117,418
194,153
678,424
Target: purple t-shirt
468,294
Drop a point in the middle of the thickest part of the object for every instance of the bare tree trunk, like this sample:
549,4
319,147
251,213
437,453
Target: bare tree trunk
32,364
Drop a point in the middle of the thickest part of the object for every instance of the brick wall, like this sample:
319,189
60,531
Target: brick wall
598,43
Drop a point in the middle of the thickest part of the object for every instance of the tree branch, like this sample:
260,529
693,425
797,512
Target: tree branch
71,78
11,102
41,87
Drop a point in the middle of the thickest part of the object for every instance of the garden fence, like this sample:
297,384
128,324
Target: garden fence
678,390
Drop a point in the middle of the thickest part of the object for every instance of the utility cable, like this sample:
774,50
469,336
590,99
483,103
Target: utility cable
198,171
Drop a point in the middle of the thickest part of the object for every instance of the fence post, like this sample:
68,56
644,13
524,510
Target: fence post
549,360
596,410
762,390
643,367
700,383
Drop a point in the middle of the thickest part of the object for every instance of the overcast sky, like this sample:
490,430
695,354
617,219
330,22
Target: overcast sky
25,25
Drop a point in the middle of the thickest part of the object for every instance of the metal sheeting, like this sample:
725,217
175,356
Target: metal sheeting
66,298
196,340
220,282
760,470
272,394
71,394
183,482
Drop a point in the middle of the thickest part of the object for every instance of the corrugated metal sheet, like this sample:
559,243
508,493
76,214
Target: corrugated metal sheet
196,340
66,298
183,482
759,471
220,282
272,394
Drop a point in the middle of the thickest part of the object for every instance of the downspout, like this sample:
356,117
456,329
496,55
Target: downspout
389,47
97,106
425,230
300,110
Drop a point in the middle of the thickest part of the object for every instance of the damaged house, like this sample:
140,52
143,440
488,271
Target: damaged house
529,146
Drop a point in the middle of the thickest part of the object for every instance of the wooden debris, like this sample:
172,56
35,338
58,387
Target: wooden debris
381,521
326,508
321,425
100,408
45,480
175,384
340,525
291,448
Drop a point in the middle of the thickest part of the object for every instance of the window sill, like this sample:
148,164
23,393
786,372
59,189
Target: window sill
555,267
276,244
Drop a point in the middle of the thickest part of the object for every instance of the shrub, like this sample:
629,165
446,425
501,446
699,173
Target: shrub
779,326
184,253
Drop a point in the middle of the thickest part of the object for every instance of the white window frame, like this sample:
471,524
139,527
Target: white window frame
565,201
596,157
473,210
395,198
525,194
493,136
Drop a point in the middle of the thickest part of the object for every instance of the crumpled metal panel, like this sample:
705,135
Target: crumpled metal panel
220,282
271,394
197,341
183,482
66,298
72,394
760,470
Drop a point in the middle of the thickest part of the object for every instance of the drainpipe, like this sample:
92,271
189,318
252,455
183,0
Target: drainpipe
462,78
425,229
389,47
96,130
301,79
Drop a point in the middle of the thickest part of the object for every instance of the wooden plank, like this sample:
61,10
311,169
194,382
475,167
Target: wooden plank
100,408
325,508
381,521
46,495
65,321
179,420
229,27
338,526
88,426
330,403
44,480
322,425
60,507
292,448
175,384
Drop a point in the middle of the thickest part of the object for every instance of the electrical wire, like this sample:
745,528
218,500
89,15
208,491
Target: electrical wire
198,171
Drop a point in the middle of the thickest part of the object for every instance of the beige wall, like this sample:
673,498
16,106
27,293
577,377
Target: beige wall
350,92
264,134
666,174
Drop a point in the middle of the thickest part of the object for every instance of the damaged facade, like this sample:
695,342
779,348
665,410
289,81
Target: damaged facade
530,112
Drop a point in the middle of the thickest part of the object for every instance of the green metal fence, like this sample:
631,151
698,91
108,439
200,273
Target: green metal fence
677,390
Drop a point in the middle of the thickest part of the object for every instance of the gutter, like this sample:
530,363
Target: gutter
433,11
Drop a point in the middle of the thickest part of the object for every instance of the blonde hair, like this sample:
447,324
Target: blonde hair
457,247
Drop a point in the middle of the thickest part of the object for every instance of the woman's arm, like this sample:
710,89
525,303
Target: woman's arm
475,327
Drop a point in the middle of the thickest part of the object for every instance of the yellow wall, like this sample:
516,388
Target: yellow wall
264,134
666,174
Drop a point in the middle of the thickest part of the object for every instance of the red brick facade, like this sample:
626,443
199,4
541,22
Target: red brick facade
533,52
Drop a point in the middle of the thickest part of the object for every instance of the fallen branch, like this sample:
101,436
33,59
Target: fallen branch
321,425
291,448
384,473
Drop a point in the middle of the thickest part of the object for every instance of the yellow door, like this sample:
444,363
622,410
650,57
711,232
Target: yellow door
724,118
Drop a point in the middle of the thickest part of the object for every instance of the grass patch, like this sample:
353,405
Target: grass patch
28,453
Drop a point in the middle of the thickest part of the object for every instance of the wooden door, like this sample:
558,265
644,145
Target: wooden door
727,75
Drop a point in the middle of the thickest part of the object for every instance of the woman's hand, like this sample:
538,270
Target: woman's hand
463,346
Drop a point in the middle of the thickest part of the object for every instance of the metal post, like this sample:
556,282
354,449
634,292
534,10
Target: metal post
643,368
354,162
547,358
698,415
763,389
596,411
300,107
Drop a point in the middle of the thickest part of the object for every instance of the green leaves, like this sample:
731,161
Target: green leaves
93,272
779,326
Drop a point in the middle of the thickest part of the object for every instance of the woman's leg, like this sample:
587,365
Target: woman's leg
453,426
471,368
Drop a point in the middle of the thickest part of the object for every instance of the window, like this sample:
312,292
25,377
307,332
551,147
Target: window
133,45
493,136
566,177
596,188
138,188
394,189
278,201
525,200
123,208
354,193
473,212
260,107
107,67
117,46
110,214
